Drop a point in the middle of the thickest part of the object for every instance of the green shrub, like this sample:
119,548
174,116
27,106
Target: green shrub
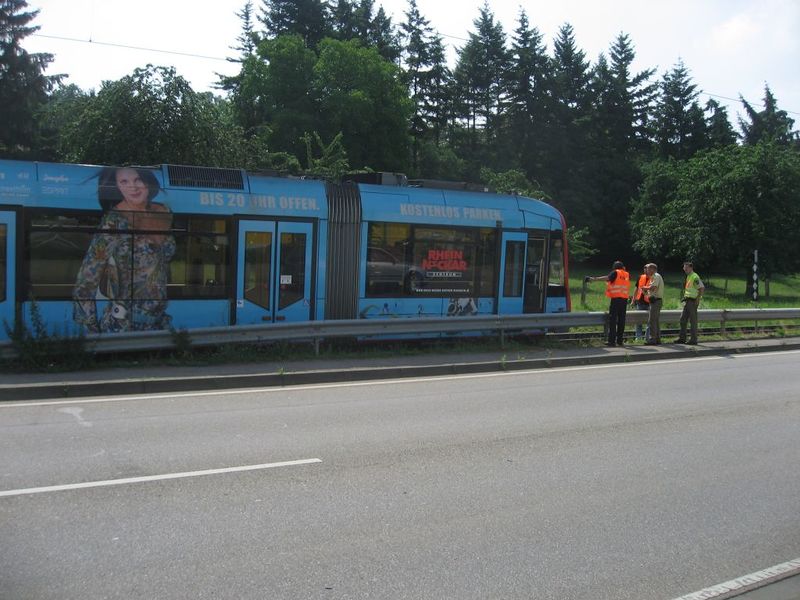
38,350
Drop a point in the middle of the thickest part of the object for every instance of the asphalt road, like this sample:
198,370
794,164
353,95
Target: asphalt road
628,481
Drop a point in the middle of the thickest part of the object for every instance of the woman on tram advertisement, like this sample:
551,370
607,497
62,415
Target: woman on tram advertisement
129,270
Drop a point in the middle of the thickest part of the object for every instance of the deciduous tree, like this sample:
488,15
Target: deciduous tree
150,117
360,94
719,206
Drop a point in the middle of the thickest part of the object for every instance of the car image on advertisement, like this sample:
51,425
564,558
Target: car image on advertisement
386,274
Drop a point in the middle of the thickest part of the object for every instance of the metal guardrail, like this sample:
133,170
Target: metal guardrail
316,331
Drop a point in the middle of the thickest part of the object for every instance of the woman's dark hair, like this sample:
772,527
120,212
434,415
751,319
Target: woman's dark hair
108,193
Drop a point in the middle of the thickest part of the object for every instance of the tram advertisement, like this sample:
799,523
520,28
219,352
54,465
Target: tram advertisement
446,271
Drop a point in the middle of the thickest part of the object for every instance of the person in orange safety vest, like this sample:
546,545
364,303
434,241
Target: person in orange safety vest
617,289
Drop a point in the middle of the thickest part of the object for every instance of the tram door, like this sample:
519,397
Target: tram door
512,273
535,274
274,272
7,271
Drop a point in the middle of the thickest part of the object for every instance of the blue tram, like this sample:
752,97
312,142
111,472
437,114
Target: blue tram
101,249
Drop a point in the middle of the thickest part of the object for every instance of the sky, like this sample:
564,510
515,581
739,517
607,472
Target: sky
730,47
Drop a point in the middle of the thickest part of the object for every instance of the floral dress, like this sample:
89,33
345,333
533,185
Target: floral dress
131,271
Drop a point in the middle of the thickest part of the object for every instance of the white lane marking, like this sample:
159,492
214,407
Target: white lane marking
740,584
406,380
76,412
109,482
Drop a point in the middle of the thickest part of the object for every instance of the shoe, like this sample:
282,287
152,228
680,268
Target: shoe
651,343
610,344
691,343
679,341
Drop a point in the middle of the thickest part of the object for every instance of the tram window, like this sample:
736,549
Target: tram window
445,259
257,267
485,263
292,269
388,259
556,274
515,265
3,257
412,261
56,246
198,268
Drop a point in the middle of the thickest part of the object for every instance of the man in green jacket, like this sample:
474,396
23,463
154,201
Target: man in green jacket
693,290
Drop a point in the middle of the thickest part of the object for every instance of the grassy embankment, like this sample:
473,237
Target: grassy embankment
721,291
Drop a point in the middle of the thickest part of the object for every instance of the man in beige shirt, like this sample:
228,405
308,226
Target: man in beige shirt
655,293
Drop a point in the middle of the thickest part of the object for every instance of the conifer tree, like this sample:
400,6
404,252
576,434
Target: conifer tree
23,85
438,107
416,62
632,97
678,115
383,37
571,71
568,134
363,19
617,137
247,43
343,20
248,38
528,89
719,131
770,124
360,21
479,77
307,18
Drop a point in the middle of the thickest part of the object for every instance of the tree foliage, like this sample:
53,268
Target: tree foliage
149,117
527,88
360,95
307,18
719,206
679,121
479,78
768,125
24,87
328,161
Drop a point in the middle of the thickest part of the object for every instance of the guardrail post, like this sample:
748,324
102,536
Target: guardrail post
502,337
722,331
316,346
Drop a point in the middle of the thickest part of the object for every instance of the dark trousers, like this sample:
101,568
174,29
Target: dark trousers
689,314
616,320
642,305
653,320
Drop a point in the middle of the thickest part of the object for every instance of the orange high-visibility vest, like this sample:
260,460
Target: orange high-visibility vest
620,286
644,281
